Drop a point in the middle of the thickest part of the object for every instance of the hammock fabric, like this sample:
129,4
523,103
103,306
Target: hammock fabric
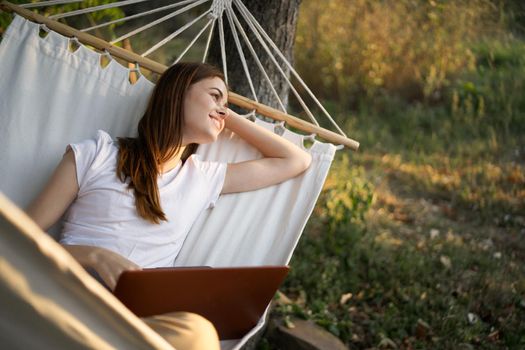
50,96
49,302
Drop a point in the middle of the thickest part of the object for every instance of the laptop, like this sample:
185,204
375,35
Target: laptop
232,298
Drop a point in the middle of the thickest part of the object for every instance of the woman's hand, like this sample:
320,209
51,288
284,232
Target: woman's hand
282,159
109,265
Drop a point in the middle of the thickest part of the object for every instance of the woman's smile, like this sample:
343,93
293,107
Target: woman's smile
218,122
217,118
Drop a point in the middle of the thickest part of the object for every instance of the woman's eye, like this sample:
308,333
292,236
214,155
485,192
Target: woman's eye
215,96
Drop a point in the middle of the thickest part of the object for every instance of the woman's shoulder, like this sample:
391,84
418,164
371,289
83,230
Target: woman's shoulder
95,153
206,167
196,161
211,176
99,139
103,139
103,136
101,142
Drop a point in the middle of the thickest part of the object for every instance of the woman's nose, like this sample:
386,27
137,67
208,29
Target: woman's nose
222,112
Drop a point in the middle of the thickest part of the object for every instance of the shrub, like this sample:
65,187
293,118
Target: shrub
409,48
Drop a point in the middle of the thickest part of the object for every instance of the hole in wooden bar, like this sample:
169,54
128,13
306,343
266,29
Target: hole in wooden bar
104,60
43,32
279,129
134,73
308,142
133,77
73,45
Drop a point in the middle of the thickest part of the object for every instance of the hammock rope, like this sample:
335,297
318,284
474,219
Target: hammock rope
218,7
160,20
96,8
223,50
210,22
208,41
173,35
48,3
138,15
232,9
240,51
281,71
259,64
252,21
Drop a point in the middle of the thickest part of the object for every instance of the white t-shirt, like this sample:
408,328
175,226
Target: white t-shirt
104,212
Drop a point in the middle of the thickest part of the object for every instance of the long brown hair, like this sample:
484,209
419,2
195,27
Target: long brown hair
159,136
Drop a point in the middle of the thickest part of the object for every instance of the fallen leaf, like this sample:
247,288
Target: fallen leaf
494,336
422,329
387,343
434,233
449,211
403,217
472,318
282,299
486,244
445,260
288,323
344,298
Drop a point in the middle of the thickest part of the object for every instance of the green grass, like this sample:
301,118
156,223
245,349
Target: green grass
418,238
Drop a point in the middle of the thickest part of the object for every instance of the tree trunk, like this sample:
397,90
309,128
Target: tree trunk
279,20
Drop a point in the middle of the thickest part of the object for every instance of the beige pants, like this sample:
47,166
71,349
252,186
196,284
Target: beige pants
185,331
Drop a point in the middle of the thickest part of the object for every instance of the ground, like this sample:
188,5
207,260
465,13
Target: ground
436,261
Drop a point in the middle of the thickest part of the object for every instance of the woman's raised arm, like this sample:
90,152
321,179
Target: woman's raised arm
282,159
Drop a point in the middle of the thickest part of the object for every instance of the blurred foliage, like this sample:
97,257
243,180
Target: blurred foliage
345,199
417,240
332,245
5,18
139,42
420,75
80,21
410,48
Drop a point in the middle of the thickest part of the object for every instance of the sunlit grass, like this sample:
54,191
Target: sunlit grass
418,240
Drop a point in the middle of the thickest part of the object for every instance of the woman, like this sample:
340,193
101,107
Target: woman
131,203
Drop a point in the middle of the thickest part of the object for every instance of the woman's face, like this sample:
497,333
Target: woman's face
204,111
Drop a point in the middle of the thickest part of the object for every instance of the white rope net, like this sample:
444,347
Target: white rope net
192,18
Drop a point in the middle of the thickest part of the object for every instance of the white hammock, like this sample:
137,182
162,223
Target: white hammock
50,97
